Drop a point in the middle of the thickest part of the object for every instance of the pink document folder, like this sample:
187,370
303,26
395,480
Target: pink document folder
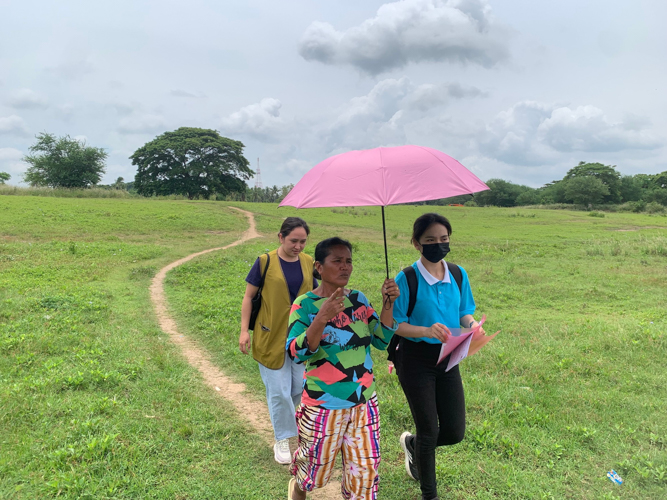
458,344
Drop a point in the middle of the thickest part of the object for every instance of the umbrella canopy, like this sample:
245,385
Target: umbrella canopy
381,177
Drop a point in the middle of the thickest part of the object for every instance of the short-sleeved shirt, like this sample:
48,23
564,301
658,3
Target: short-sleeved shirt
291,271
438,301
339,373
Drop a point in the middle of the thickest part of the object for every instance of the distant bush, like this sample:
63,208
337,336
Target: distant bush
65,192
654,208
632,206
596,214
79,193
470,203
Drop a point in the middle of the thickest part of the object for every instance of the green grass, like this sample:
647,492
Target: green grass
97,403
572,387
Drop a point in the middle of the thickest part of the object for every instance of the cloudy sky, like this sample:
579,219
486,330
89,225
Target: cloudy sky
513,89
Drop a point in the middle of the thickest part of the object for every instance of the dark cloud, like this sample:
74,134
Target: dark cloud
410,31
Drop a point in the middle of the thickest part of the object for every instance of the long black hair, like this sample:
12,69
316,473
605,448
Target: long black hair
290,224
323,249
424,221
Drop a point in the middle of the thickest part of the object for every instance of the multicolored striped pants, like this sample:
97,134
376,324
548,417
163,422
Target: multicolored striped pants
323,433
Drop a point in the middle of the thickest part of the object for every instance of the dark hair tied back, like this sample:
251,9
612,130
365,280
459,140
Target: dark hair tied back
424,221
323,249
291,223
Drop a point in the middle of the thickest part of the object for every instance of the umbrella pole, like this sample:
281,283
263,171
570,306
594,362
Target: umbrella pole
384,232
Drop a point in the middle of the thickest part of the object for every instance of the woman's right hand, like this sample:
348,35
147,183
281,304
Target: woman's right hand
244,342
438,331
333,306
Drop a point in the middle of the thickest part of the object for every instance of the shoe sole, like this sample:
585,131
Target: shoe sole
281,462
404,436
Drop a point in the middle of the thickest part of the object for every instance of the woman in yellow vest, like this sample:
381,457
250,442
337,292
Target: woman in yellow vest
289,275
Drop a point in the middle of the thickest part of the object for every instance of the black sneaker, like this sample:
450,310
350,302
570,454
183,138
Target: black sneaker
407,443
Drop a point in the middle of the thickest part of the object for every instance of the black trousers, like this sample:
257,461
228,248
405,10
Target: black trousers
437,404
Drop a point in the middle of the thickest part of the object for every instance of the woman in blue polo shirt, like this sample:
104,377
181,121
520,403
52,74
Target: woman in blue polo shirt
435,396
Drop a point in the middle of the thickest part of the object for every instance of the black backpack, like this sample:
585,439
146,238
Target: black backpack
413,284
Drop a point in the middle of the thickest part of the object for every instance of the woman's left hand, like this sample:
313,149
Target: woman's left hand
390,291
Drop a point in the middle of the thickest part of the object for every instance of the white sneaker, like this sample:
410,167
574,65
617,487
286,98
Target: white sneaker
281,452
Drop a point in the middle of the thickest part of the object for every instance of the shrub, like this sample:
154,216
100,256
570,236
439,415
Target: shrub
654,208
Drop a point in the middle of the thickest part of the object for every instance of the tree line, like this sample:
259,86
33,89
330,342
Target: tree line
587,184
200,163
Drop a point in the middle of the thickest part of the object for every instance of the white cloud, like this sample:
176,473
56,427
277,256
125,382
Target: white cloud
378,118
13,124
586,128
410,31
185,93
533,133
261,120
27,99
512,135
142,124
64,112
10,154
10,162
73,68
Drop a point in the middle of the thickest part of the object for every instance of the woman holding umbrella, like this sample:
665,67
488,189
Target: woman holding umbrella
283,274
331,330
435,395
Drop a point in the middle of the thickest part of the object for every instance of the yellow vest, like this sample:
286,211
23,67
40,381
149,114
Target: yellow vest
270,334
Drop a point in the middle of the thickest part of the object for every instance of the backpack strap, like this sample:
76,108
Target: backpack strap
266,268
413,285
456,273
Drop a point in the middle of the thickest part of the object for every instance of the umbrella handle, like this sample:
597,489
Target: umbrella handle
386,302
384,233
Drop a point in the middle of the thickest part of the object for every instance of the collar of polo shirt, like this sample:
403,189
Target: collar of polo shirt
430,279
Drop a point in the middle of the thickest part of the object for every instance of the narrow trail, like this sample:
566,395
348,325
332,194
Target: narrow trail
253,411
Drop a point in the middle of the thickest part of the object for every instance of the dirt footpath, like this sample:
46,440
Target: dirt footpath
248,408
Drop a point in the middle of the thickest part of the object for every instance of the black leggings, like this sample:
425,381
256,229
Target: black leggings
437,404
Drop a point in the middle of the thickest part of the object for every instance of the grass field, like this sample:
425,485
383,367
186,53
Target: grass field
97,404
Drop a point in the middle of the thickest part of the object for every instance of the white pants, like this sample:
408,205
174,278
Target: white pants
283,395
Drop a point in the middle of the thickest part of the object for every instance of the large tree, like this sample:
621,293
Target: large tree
501,193
4,177
64,162
585,190
194,162
607,175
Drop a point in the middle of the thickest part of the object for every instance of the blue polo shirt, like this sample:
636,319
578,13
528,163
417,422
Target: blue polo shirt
438,301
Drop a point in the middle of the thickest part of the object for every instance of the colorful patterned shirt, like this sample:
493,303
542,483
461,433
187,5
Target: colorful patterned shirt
339,374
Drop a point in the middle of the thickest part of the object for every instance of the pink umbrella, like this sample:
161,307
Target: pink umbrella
383,176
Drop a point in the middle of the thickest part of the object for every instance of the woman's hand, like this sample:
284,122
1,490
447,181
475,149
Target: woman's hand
390,291
332,307
439,331
244,342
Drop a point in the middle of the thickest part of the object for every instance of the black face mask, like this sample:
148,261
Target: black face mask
435,252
